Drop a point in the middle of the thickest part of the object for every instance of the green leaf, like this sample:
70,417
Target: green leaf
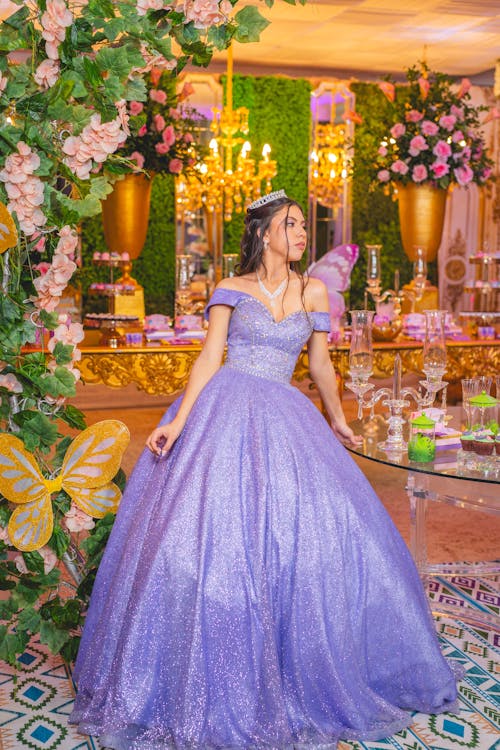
218,36
34,561
91,73
76,114
114,27
9,311
79,88
17,19
29,619
49,319
38,432
63,353
59,541
12,645
73,416
70,649
52,636
114,88
113,61
250,24
33,107
60,383
136,90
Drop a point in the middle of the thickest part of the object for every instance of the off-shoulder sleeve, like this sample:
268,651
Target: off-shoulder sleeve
221,296
321,321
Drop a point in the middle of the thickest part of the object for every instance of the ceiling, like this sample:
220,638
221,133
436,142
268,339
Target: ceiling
369,38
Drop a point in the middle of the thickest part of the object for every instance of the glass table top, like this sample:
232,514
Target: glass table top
448,462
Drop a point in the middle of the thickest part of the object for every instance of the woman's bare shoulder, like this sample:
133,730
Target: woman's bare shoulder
316,295
235,283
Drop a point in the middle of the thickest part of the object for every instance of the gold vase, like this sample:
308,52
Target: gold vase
421,218
125,214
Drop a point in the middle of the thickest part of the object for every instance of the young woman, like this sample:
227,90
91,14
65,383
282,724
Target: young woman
254,592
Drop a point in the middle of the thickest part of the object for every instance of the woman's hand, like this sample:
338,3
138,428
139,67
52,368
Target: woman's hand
344,433
162,438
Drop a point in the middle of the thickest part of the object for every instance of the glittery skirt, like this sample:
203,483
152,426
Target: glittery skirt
254,592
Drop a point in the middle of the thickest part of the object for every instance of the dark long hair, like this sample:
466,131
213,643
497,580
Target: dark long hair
257,222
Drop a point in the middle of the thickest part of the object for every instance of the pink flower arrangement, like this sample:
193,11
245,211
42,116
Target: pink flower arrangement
205,13
24,188
160,138
50,285
93,146
434,136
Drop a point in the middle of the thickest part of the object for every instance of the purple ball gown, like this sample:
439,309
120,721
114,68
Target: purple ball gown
254,592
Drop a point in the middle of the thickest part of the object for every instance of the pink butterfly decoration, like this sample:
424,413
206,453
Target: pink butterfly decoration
334,269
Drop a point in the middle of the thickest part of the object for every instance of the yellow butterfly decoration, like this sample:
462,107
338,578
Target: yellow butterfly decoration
91,461
8,230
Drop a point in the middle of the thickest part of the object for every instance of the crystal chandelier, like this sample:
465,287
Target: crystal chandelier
228,178
329,165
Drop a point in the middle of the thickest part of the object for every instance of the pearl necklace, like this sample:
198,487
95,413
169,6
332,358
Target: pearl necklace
271,296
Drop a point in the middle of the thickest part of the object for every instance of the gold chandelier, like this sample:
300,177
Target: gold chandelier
329,165
228,178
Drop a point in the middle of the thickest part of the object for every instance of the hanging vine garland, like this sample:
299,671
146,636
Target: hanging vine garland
67,73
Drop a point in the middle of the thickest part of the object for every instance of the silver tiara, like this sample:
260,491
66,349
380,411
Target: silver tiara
274,196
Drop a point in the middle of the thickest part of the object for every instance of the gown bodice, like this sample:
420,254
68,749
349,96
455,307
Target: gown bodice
259,345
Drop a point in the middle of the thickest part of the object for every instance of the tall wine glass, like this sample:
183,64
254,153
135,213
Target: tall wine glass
361,355
434,346
373,269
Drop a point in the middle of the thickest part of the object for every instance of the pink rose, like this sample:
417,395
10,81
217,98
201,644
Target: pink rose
135,108
42,267
384,175
10,383
175,166
142,131
206,13
47,73
457,136
138,158
187,90
398,130
442,150
162,148
429,128
159,123
464,87
447,122
485,174
463,175
419,173
424,86
144,5
157,95
413,116
168,136
399,167
418,144
68,241
382,151
76,520
174,113
388,89
440,169
457,112
188,138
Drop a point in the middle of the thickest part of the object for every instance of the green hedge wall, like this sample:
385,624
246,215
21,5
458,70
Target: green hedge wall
280,114
155,267
374,215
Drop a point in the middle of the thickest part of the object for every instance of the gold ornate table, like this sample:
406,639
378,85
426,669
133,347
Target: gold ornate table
164,370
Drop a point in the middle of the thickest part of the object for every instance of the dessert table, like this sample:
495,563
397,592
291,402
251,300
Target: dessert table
164,369
444,480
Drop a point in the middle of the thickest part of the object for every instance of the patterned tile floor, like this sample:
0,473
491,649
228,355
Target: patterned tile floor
34,706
